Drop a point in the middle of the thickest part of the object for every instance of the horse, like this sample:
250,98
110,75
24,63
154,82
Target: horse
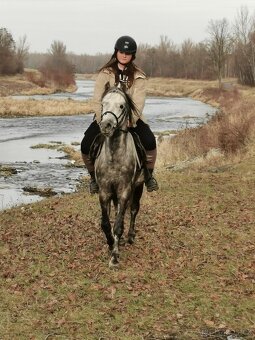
118,168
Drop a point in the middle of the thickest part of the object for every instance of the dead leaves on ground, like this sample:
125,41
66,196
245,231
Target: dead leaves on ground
191,265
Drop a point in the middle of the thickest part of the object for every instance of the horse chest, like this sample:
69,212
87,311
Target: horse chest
115,165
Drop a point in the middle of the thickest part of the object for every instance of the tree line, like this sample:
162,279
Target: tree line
228,51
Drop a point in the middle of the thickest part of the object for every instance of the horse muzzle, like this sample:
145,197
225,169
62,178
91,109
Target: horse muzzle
107,128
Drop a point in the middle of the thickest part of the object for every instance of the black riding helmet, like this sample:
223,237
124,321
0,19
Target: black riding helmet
126,44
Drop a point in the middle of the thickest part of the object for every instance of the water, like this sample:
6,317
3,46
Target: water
175,113
47,168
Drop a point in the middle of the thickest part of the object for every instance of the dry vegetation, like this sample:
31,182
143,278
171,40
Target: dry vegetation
14,108
229,136
190,273
229,133
30,84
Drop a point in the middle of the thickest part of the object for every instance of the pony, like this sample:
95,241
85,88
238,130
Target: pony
119,168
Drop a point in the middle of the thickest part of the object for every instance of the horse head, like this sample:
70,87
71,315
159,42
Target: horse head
117,107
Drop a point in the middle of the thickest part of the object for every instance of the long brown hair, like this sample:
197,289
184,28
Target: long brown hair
130,70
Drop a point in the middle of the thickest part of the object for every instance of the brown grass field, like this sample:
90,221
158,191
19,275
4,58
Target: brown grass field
189,274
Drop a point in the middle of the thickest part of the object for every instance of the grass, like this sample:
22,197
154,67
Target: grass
14,107
23,85
189,271
229,134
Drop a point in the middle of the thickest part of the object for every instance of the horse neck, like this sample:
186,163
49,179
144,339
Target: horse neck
117,142
118,138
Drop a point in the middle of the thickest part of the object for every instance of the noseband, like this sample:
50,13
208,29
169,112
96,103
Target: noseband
119,120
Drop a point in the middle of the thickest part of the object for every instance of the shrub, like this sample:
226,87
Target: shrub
57,69
35,78
229,131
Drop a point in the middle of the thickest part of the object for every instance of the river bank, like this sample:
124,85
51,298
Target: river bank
19,85
34,146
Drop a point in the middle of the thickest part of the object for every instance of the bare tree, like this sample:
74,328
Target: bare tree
57,49
220,44
22,49
57,68
165,52
187,49
7,52
244,33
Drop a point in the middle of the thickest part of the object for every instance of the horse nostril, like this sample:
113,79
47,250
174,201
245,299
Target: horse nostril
106,127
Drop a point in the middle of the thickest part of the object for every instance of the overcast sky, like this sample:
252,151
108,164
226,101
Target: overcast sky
92,26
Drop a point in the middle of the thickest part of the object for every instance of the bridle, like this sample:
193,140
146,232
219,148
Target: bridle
119,120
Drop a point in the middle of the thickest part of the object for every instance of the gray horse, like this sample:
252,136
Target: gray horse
118,169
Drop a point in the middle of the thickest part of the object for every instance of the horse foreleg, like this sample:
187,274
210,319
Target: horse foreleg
134,209
105,222
117,233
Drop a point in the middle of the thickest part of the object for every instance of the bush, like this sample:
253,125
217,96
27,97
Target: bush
229,131
57,69
35,78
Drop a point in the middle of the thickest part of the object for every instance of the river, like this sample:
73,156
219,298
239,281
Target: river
45,168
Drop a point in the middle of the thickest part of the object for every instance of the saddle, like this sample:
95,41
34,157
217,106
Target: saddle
97,144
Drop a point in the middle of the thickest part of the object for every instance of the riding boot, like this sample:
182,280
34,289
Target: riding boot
93,186
150,181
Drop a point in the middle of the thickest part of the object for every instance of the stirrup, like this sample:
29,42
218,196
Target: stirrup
152,184
93,187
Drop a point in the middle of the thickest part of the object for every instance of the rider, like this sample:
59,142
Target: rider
121,68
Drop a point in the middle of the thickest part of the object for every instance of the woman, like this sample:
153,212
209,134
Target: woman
121,68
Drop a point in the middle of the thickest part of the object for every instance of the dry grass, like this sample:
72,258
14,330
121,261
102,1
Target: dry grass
12,108
189,273
22,84
28,84
230,132
176,87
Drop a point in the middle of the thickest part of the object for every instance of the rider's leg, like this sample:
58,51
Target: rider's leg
148,141
88,138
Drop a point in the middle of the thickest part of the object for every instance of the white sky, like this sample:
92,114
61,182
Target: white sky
92,26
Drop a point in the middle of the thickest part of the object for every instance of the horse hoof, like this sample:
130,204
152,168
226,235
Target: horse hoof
113,264
122,242
131,239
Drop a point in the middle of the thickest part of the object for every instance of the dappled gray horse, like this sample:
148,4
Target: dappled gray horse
118,169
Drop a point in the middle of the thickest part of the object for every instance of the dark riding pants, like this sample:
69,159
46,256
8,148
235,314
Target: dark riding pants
142,129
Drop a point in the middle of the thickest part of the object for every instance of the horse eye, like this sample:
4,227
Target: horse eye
121,106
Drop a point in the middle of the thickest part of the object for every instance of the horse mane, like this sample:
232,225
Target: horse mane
130,103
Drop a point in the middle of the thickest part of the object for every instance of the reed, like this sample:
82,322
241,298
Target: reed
12,108
231,132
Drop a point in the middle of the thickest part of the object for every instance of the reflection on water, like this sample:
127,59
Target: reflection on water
44,168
